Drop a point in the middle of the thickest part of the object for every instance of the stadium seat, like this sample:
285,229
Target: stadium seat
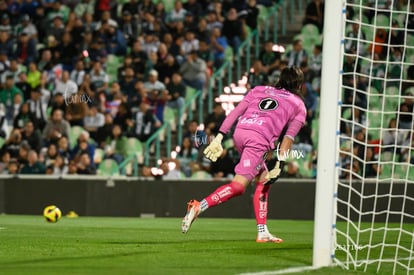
228,143
135,147
112,65
98,156
309,30
201,175
74,133
108,167
228,54
381,20
1,142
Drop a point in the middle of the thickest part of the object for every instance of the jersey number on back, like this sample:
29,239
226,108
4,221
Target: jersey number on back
268,104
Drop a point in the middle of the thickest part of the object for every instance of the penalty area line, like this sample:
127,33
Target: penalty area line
282,271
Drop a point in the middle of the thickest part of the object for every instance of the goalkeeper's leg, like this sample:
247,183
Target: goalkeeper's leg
260,200
220,195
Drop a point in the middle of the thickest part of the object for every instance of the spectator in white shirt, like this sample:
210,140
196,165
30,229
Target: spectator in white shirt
190,43
99,78
93,121
78,73
65,86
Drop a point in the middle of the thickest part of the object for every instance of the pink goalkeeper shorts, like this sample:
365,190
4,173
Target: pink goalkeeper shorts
252,146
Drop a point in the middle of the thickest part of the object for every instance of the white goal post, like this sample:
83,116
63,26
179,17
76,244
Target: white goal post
364,205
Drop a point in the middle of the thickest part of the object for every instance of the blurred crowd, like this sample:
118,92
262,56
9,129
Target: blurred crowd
108,68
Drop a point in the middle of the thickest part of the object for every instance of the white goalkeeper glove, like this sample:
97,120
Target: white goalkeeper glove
214,150
273,175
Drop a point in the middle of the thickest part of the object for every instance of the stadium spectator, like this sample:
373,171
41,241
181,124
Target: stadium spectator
83,145
314,14
4,61
25,51
257,75
145,122
214,120
139,59
124,118
76,109
315,61
104,131
194,8
223,167
34,166
57,29
32,136
189,23
85,165
12,167
166,68
77,75
45,64
5,25
64,148
118,141
297,55
129,25
26,26
194,71
233,30
58,102
186,155
393,138
93,121
22,117
65,86
252,14
269,58
23,83
176,15
22,157
156,93
202,32
7,95
66,51
190,43
5,158
115,41
206,54
59,166
6,44
56,127
127,82
176,92
33,78
99,78
218,45
13,70
292,171
405,112
354,44
50,155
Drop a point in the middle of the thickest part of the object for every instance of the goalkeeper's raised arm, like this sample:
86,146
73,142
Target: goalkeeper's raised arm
261,117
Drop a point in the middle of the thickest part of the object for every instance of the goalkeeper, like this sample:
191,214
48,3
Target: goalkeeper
262,116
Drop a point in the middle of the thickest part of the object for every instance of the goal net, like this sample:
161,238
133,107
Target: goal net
374,227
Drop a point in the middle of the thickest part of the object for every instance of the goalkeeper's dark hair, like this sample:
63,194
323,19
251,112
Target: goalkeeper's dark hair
291,79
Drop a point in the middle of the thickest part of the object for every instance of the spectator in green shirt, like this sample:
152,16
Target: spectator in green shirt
9,91
34,166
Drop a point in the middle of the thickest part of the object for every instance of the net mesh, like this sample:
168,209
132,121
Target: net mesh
375,190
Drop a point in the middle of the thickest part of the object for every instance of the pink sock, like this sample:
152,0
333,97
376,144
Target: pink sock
260,202
224,193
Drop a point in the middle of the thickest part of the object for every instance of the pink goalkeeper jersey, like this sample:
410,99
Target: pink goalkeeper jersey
267,110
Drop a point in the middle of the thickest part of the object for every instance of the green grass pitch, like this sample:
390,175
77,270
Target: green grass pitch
85,245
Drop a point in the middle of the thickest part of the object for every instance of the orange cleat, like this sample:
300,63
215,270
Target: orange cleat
193,209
